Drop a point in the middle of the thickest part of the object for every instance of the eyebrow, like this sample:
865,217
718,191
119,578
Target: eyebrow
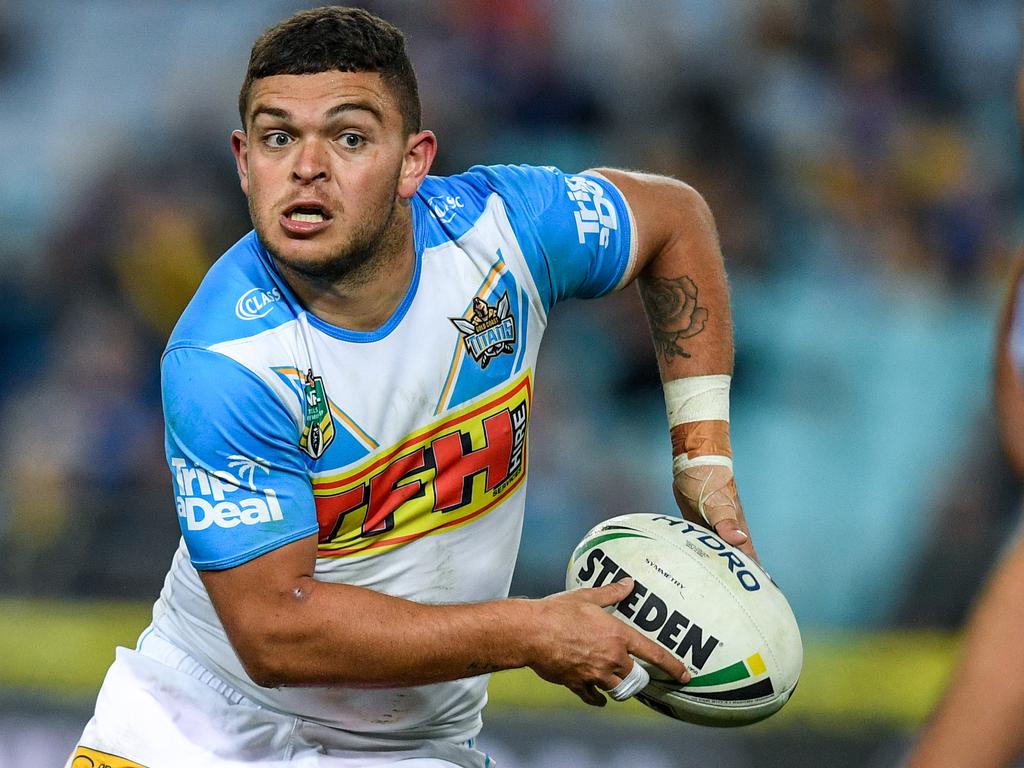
349,106
272,112
333,112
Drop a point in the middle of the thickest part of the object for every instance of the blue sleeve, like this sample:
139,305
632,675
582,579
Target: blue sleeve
240,481
575,230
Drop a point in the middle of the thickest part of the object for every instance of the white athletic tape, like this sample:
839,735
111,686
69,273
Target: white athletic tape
631,684
682,462
697,398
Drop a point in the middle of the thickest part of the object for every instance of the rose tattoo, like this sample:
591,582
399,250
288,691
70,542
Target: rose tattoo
673,312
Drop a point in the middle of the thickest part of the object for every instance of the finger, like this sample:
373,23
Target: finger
635,681
609,594
736,533
648,650
589,694
710,490
732,532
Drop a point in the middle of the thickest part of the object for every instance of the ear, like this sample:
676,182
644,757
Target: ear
240,149
420,149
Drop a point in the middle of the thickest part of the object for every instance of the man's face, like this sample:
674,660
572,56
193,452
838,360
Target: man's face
324,162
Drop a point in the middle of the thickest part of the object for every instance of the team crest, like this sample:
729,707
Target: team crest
489,332
319,431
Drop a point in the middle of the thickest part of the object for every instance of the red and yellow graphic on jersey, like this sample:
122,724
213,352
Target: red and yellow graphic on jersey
92,758
436,479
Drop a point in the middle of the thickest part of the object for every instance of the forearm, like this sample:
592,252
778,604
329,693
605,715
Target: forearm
294,630
1009,389
686,298
1010,408
336,634
978,720
683,286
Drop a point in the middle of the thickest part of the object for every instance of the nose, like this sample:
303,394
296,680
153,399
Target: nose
311,162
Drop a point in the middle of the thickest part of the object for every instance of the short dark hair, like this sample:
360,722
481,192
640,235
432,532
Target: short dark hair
335,38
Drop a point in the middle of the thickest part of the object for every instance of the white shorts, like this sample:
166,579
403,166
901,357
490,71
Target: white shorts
165,710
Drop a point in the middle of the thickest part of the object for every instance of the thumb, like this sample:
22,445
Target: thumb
730,531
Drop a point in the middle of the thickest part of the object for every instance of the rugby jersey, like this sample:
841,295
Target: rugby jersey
404,449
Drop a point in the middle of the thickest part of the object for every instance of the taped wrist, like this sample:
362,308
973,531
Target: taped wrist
698,417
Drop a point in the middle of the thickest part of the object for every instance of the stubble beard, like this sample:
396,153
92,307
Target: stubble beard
369,250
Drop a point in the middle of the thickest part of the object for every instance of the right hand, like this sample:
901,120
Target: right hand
579,645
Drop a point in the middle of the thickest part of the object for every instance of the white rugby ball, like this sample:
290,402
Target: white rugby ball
708,603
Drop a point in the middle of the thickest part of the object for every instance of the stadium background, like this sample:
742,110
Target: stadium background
863,163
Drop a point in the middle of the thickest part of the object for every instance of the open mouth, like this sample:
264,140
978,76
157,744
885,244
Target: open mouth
310,214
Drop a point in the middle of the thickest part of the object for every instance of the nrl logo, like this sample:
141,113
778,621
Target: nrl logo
491,331
319,430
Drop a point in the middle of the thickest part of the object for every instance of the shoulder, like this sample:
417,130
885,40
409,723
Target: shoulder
454,204
241,296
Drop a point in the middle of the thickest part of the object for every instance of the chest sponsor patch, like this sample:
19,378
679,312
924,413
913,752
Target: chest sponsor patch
436,479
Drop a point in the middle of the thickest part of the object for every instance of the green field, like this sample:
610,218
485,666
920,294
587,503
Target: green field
60,650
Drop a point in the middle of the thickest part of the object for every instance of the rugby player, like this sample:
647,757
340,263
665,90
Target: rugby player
346,401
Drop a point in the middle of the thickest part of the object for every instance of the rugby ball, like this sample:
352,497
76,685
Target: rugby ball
709,604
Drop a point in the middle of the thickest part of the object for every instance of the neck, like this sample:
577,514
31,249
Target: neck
364,298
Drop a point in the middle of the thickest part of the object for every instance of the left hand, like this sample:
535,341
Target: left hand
707,495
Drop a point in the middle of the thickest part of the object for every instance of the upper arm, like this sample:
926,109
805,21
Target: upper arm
668,214
257,602
575,230
240,480
242,491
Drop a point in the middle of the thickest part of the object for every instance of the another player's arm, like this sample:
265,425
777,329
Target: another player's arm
682,281
1009,388
290,629
977,723
977,720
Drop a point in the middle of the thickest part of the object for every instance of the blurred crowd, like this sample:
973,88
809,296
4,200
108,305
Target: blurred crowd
861,158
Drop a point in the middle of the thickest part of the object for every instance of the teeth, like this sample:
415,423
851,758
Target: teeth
310,217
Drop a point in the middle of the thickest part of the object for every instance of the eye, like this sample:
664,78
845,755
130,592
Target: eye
352,140
277,139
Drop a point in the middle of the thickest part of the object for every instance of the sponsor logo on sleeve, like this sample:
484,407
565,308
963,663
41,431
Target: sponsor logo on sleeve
489,331
256,303
206,498
596,214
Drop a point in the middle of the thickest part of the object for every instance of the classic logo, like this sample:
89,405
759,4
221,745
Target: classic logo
596,214
202,495
444,207
256,303
436,479
489,332
319,430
